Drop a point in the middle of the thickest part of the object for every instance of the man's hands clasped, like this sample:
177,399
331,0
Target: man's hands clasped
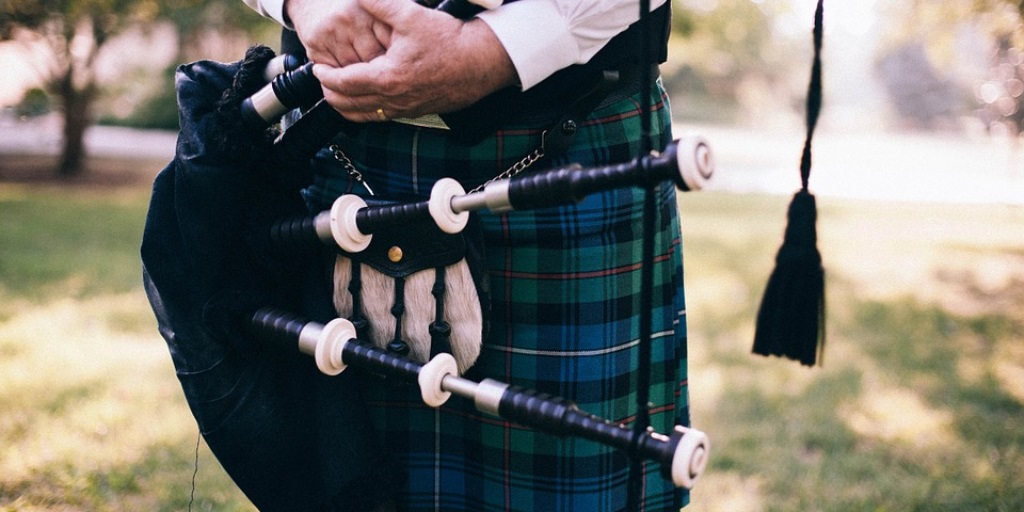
388,59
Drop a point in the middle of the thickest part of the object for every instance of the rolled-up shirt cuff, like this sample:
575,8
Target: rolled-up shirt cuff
536,37
272,9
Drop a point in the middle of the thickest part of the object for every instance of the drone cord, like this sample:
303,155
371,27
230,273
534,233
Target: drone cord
195,471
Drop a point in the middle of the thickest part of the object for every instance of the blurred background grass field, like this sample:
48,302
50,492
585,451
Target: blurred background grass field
918,405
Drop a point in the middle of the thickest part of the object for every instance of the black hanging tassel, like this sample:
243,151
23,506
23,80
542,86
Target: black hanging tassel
791,320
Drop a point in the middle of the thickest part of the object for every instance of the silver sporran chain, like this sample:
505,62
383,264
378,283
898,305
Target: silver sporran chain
515,169
342,158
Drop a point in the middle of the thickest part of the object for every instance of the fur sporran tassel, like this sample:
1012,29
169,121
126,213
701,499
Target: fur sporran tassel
461,311
791,320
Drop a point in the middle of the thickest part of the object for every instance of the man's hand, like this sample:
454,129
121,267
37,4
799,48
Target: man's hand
429,62
337,32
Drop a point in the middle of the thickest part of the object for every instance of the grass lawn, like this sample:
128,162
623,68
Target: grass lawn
91,415
918,406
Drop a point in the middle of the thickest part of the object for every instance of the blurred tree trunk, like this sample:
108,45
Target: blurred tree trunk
77,106
75,85
74,31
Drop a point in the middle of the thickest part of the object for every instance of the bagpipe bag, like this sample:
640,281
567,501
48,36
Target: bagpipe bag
290,437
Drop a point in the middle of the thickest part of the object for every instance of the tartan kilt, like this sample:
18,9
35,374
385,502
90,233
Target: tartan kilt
565,288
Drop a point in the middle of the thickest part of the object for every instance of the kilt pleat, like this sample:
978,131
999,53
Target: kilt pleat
565,320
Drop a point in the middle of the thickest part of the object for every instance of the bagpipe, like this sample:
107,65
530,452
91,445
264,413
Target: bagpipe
351,224
221,271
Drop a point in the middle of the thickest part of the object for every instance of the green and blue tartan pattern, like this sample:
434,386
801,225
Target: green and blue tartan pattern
564,320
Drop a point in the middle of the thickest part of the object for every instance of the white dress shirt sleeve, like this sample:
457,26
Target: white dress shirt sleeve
544,36
270,9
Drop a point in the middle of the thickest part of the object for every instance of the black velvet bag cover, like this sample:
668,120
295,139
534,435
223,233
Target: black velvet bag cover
290,437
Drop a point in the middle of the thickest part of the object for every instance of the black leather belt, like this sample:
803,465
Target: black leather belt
542,104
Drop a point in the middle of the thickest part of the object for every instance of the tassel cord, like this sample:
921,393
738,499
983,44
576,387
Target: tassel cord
643,419
814,97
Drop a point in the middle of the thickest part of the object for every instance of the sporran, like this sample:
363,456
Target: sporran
417,291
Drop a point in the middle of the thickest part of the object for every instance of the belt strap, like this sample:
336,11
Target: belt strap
559,135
